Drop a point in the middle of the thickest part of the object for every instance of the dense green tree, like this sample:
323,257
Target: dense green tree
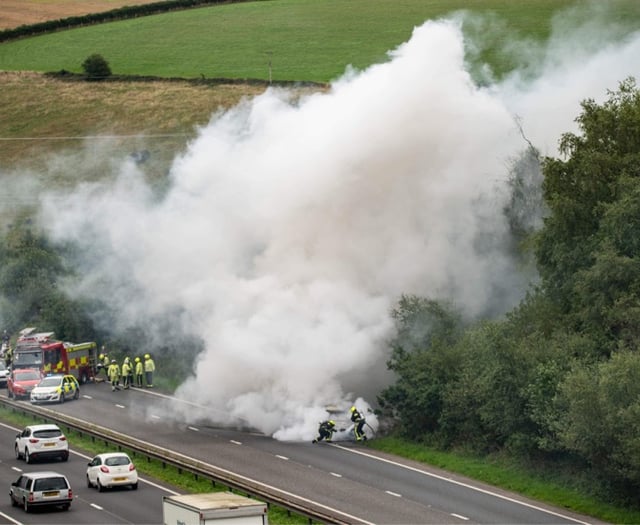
30,272
96,67
424,359
599,407
588,244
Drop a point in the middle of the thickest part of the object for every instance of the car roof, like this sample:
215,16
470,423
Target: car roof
44,426
43,474
26,370
106,455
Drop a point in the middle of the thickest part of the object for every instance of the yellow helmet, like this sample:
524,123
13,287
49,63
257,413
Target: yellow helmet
101,356
332,422
353,409
147,356
137,359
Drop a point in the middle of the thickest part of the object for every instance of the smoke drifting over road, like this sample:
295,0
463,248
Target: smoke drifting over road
290,230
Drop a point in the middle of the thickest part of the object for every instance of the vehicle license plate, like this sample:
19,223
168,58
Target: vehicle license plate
49,444
119,479
51,493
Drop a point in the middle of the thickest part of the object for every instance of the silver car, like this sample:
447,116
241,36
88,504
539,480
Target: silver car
39,489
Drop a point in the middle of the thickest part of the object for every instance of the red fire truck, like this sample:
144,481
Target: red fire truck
41,350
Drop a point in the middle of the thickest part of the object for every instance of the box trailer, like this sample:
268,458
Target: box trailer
215,508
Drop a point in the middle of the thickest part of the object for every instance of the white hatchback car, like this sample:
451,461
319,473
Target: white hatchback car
38,489
41,441
112,469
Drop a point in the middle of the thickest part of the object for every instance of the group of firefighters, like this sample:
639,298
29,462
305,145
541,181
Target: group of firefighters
328,427
138,373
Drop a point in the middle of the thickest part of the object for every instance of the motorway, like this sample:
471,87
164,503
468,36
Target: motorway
122,505
358,484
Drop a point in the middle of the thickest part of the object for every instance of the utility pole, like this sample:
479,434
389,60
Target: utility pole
270,53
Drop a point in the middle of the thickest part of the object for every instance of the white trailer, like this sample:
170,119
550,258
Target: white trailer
215,508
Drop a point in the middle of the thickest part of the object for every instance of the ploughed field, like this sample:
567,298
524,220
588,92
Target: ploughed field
15,13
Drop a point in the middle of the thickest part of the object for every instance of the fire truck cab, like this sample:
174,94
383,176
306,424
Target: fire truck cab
43,351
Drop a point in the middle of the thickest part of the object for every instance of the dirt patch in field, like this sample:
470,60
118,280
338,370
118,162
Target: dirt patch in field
15,13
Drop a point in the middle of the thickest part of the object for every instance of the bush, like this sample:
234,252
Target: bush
96,67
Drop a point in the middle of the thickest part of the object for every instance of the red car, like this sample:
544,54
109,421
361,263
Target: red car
21,382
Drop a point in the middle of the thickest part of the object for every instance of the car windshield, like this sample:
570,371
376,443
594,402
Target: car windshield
28,358
117,460
47,433
44,484
50,381
27,376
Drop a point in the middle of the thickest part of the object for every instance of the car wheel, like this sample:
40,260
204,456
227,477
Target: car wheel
66,506
89,484
99,485
27,456
61,398
13,502
25,505
76,395
17,450
134,486
65,456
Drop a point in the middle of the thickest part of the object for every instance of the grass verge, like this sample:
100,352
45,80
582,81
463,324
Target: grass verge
540,484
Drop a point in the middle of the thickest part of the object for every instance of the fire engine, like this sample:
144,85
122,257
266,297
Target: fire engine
41,350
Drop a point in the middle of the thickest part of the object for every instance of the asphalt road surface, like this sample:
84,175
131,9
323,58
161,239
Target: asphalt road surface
121,505
364,486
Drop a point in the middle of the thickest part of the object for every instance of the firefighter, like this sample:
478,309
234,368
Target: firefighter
8,356
114,375
358,424
126,373
149,369
139,371
325,431
105,362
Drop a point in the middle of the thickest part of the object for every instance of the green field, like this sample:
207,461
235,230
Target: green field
302,40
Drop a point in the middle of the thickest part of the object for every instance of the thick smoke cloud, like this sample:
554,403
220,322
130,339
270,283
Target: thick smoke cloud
291,228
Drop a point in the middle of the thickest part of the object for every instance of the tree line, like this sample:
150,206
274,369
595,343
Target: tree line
558,378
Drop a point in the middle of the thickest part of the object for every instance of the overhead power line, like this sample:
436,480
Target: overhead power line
97,137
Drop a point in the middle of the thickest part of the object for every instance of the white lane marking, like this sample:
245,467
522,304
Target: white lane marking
459,516
86,396
16,469
335,474
194,429
120,406
153,416
393,494
96,506
9,518
236,442
282,457
461,484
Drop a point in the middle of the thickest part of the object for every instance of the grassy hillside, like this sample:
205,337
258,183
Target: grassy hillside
310,40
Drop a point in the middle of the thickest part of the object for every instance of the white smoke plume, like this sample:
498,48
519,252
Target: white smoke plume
290,230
